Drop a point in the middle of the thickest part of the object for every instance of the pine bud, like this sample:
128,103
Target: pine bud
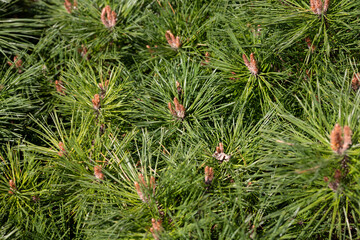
347,138
84,52
18,63
151,51
209,175
172,111
59,87
108,17
139,192
178,88
70,6
335,184
103,88
309,44
355,82
335,138
179,111
174,43
143,188
98,172
156,228
96,102
12,186
339,142
318,7
207,60
142,180
252,65
325,6
220,155
62,151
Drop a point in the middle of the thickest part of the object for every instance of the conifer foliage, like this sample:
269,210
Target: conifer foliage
201,119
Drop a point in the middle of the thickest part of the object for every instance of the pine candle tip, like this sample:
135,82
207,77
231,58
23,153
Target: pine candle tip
108,17
220,155
18,63
173,41
355,82
139,192
340,138
62,151
96,102
98,172
156,228
310,44
179,111
178,88
70,6
206,59
12,186
209,175
318,7
334,185
59,87
252,65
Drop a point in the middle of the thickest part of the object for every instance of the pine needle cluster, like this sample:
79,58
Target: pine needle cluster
181,119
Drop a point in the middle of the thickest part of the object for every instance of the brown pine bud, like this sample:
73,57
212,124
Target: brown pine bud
98,172
309,44
355,82
335,184
143,189
318,7
84,52
142,180
179,111
336,140
18,63
252,65
246,61
156,228
70,6
173,41
62,151
347,138
209,175
103,88
12,186
220,155
149,49
108,17
171,109
221,147
178,88
152,184
59,87
207,59
326,6
96,102
139,192
339,142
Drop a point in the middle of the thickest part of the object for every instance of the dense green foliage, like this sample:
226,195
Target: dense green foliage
113,116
